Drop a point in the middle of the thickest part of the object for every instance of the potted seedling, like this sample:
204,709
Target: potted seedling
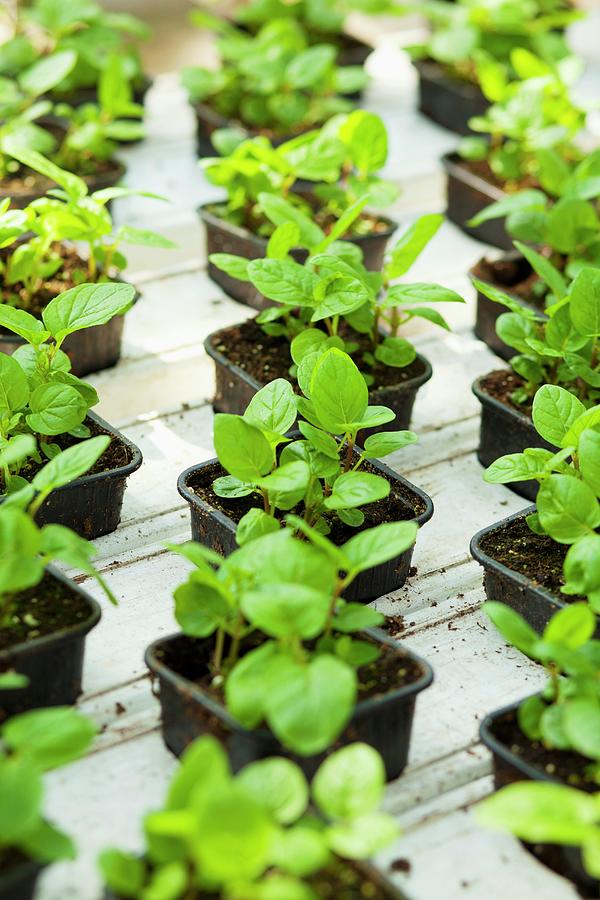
269,186
41,260
302,87
272,665
567,232
535,559
558,349
331,300
44,617
324,475
532,132
561,824
261,833
82,140
94,34
469,52
30,745
553,736
41,397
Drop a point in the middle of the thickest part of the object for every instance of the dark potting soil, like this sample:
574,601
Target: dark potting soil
501,384
117,453
482,169
258,224
266,358
536,556
399,505
565,765
26,181
44,609
73,271
189,658
515,277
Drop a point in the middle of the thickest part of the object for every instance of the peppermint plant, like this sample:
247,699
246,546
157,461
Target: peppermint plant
471,34
565,715
539,812
299,88
333,291
320,474
343,158
568,509
561,346
68,213
261,833
32,744
317,16
39,394
531,125
284,593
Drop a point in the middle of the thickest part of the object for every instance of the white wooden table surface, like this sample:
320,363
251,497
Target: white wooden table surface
159,396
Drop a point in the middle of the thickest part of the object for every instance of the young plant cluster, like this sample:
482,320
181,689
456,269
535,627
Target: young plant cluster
333,300
568,508
254,835
326,17
300,87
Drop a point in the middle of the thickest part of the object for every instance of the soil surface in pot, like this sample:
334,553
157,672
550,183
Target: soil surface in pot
536,556
340,881
565,765
501,384
73,271
516,277
392,670
482,169
266,358
26,181
117,453
49,607
399,505
258,224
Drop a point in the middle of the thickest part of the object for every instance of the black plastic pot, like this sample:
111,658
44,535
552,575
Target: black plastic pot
505,430
91,505
216,530
504,273
94,183
53,663
235,388
208,120
449,101
19,882
467,194
188,712
535,603
223,237
509,768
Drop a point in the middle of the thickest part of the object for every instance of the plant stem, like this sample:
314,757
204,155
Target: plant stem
218,655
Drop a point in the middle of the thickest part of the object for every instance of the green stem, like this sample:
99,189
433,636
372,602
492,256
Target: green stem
218,654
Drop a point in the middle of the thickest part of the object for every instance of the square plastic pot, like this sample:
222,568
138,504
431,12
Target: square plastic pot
53,663
467,194
509,768
91,505
216,530
448,101
223,237
505,430
235,388
188,711
535,603
20,881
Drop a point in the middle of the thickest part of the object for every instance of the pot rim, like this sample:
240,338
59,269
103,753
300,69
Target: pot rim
434,71
195,501
28,867
487,400
210,218
361,708
219,357
67,633
451,163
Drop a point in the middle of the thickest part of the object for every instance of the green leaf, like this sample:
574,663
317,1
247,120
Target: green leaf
582,566
279,785
380,544
85,306
378,445
568,510
412,243
584,306
49,71
421,292
74,186
588,454
48,844
242,448
338,391
71,463
280,211
20,800
514,203
247,689
512,626
284,281
310,67
365,136
203,763
23,323
200,608
255,524
518,467
285,610
14,390
554,412
353,617
396,352
235,266
362,837
544,268
581,721
142,237
55,409
354,489
283,239
273,408
350,782
571,627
